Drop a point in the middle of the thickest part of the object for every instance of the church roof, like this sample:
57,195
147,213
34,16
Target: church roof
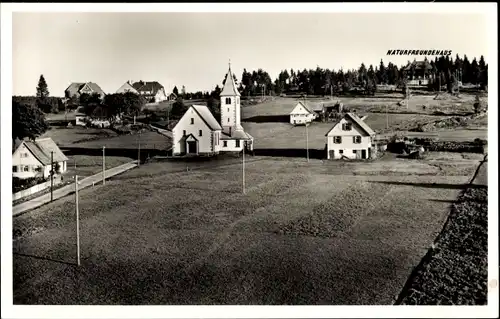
207,116
234,134
229,88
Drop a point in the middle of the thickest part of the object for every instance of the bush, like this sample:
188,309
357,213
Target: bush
459,147
477,105
19,184
480,141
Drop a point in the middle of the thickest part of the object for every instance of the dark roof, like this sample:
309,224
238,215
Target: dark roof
142,86
41,150
75,88
235,134
419,65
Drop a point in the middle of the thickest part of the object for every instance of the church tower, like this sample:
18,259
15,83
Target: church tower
230,110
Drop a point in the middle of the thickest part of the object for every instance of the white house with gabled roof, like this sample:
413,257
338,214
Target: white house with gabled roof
34,158
197,133
302,114
351,138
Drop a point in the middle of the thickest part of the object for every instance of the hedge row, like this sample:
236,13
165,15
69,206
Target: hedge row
19,184
429,144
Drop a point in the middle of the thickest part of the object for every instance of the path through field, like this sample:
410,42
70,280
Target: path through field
64,191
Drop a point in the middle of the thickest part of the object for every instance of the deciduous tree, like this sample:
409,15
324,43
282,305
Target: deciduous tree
27,121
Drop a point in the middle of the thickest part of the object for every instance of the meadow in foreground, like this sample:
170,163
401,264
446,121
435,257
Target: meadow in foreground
304,233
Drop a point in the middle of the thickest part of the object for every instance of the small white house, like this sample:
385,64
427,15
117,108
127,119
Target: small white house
351,138
302,114
33,159
197,133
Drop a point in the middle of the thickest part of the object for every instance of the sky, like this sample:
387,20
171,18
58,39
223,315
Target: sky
194,49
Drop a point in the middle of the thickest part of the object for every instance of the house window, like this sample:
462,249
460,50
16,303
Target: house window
237,143
356,139
24,155
347,126
341,151
337,139
200,133
354,151
228,100
228,119
26,169
192,120
228,109
14,169
225,143
184,132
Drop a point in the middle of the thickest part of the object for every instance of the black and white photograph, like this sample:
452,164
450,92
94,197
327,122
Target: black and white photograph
249,155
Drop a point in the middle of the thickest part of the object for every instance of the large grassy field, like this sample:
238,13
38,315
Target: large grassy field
97,138
381,103
268,122
147,140
70,136
287,136
86,165
304,233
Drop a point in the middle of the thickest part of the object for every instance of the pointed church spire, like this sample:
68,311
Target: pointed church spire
229,88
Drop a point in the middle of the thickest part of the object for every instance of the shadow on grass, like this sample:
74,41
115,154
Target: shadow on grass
431,185
45,258
268,119
290,152
469,200
437,113
210,189
96,133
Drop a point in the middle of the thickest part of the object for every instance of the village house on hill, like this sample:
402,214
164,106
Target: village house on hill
418,73
76,89
302,114
172,97
127,87
199,133
153,91
351,138
33,158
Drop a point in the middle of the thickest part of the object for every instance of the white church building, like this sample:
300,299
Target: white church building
199,133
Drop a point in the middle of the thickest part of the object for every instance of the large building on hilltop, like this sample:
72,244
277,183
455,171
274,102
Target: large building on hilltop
198,133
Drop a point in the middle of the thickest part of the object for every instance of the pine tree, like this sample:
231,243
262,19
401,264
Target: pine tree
466,70
175,91
483,72
382,73
42,90
474,72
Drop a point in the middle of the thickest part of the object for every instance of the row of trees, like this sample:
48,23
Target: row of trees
444,70
112,106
